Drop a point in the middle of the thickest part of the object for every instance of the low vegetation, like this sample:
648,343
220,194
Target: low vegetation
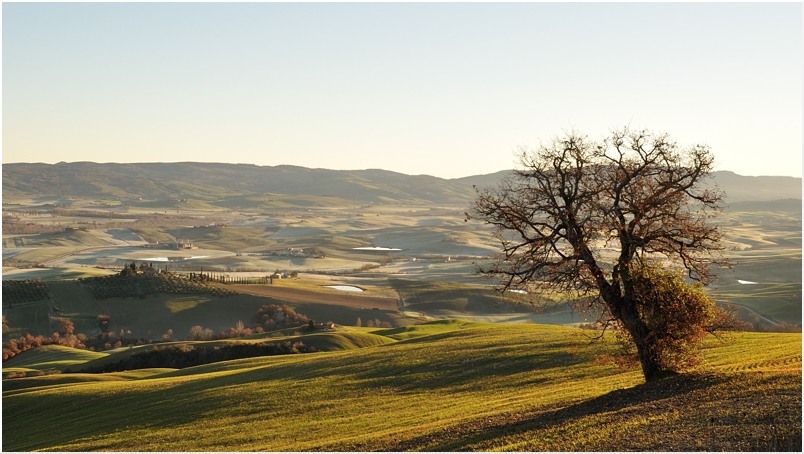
271,317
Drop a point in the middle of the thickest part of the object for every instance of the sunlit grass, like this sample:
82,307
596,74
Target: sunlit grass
444,386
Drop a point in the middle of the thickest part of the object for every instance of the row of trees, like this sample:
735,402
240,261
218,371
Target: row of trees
376,323
271,316
178,356
268,317
66,336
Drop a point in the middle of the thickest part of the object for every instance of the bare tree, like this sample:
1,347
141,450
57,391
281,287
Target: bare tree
196,332
67,327
577,216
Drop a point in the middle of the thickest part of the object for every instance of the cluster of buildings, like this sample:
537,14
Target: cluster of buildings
297,252
171,245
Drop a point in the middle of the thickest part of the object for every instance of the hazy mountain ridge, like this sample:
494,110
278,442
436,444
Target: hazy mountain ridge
212,182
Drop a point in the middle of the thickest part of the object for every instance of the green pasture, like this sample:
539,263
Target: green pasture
51,357
18,385
76,304
445,386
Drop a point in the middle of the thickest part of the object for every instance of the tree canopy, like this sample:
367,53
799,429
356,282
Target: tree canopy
586,218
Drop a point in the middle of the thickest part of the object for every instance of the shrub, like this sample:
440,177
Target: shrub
200,333
67,327
678,317
272,317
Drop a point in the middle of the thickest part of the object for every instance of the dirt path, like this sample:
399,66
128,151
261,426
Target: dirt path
292,295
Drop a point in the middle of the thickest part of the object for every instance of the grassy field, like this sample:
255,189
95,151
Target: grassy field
50,357
76,304
435,387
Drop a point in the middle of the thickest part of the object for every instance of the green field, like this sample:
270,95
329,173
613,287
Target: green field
50,357
442,386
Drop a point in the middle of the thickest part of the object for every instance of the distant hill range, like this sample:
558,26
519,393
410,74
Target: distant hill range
214,183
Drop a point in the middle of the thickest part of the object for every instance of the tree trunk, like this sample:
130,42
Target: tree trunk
650,368
625,310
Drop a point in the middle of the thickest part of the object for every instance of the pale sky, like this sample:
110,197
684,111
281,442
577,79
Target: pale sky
448,90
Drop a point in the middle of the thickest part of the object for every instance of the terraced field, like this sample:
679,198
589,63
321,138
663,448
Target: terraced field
435,387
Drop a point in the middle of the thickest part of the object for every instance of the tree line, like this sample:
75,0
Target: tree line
267,318
178,356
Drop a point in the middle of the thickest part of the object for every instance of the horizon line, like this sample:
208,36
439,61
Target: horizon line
320,168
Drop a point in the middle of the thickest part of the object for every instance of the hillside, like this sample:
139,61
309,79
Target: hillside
212,182
206,185
444,386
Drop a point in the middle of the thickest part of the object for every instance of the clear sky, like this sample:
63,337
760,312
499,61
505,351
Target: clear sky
442,89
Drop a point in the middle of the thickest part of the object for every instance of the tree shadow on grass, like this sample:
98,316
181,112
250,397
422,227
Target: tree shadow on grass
480,434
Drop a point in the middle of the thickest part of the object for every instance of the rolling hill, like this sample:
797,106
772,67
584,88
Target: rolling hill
219,184
442,386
